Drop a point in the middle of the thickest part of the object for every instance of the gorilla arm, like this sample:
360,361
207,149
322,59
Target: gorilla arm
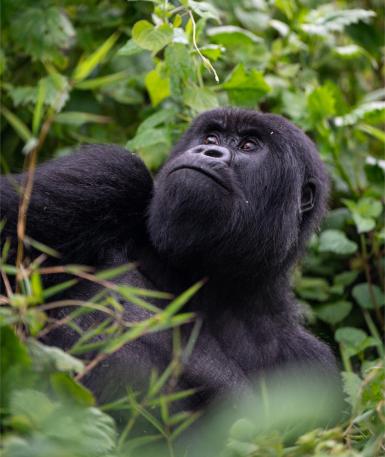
93,199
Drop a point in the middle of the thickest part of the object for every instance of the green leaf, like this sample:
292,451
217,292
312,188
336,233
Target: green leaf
327,18
199,99
336,241
182,299
346,278
43,33
68,390
52,358
369,207
32,404
12,352
129,49
233,36
78,119
360,112
312,288
364,213
21,129
333,313
352,385
372,131
102,81
363,297
320,104
244,87
148,138
350,336
56,88
354,340
160,117
180,67
88,64
288,7
146,36
157,85
204,9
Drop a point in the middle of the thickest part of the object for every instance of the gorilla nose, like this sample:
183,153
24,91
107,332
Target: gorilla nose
213,151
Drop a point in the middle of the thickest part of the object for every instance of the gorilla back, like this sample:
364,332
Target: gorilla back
235,203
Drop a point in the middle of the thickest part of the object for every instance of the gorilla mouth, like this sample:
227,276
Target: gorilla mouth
203,171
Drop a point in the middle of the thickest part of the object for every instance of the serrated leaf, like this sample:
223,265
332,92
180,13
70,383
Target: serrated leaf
147,138
200,99
352,384
150,37
32,404
337,242
320,104
56,92
327,19
157,85
204,9
244,87
43,32
364,212
233,36
71,391
180,66
52,358
129,49
212,51
163,116
360,112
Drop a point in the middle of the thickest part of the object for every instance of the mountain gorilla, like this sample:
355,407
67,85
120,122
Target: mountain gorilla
235,203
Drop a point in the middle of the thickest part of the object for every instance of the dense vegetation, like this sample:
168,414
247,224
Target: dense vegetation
135,73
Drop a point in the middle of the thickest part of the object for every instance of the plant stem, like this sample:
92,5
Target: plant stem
369,280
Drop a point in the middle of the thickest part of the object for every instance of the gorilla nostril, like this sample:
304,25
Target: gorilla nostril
197,150
214,153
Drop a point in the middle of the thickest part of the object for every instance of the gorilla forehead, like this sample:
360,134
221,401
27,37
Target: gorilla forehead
238,121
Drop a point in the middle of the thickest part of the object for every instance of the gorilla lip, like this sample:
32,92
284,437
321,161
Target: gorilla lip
203,171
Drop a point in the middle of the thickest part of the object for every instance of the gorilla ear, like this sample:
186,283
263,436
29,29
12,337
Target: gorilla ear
308,197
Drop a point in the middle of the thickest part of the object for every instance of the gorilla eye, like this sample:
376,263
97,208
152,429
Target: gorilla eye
211,139
248,145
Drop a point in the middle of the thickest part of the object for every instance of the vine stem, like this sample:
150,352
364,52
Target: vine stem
369,280
206,61
342,171
26,192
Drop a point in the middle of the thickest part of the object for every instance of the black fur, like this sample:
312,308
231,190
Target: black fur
237,217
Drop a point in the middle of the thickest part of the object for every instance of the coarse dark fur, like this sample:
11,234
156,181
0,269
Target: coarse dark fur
237,215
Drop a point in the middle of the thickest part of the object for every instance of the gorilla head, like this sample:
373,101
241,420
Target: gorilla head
240,195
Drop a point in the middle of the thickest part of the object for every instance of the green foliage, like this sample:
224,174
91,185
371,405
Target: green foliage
135,73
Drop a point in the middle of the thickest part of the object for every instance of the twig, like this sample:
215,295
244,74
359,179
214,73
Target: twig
369,280
26,191
206,61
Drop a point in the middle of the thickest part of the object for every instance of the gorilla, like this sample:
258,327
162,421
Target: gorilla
235,203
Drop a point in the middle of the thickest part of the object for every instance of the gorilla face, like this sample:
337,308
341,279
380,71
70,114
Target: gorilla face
241,190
